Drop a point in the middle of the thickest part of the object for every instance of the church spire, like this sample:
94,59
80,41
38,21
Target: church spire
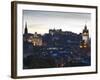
26,30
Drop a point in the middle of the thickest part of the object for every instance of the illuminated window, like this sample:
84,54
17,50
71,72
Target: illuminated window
85,46
81,46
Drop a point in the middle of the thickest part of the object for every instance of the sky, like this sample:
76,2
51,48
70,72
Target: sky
42,21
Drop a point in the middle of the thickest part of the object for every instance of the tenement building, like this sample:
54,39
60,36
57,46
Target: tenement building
35,39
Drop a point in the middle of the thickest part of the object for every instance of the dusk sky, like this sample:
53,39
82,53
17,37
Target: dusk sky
42,21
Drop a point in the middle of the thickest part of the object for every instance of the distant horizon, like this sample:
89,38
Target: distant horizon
52,29
42,21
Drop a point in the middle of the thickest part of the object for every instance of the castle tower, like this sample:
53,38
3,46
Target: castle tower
35,34
26,30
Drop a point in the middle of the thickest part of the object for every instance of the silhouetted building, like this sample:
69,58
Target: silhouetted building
26,30
55,31
35,39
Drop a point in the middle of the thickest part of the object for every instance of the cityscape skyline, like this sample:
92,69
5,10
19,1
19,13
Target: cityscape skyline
56,49
42,21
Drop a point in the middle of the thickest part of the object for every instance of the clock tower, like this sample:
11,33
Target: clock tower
85,38
85,34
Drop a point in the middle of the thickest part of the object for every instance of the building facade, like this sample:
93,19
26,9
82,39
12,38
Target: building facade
35,39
